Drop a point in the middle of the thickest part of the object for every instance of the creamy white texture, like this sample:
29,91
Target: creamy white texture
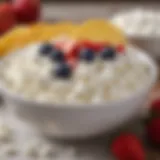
139,22
29,74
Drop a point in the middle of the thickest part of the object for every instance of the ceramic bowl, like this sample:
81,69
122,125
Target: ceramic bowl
81,121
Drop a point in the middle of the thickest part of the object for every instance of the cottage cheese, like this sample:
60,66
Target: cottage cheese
139,22
29,74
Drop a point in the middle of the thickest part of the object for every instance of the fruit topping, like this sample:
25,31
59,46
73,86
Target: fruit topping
87,54
72,62
69,53
57,55
63,70
59,45
72,49
46,49
108,53
120,48
99,30
96,46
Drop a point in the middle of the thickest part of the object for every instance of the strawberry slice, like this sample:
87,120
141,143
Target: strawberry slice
95,46
72,49
60,43
120,48
72,62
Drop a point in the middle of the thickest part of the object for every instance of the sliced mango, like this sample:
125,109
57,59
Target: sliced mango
13,39
23,35
99,30
57,30
95,30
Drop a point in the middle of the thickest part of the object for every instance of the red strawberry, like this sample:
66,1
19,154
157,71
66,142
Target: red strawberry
72,62
154,110
96,46
61,42
7,17
59,45
120,48
128,147
155,106
153,130
72,48
27,11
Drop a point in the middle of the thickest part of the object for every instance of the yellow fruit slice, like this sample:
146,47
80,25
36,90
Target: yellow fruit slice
23,35
99,30
46,32
16,37
56,30
95,30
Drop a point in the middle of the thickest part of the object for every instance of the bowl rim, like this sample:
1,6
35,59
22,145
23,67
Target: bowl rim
141,53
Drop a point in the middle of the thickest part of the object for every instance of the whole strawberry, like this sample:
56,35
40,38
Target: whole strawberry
128,147
153,130
7,17
155,107
27,11
153,123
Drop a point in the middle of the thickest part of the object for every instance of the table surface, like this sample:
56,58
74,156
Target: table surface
73,11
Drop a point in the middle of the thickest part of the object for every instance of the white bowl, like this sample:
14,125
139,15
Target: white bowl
141,27
79,121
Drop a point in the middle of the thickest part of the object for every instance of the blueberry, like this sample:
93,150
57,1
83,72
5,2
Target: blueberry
87,54
46,49
108,53
63,71
57,56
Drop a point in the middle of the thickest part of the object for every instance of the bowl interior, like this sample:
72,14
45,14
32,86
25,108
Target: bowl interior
140,54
